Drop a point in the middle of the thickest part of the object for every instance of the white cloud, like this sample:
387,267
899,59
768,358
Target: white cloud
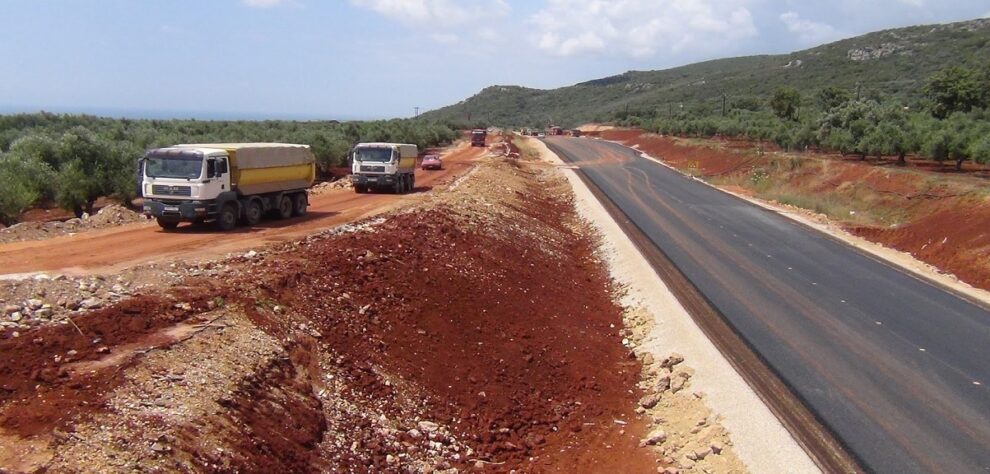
445,38
444,14
810,32
640,28
266,3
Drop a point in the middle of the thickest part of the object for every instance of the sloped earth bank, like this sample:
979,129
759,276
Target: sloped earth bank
938,218
476,330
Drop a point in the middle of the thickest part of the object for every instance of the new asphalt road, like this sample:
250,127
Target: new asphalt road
898,368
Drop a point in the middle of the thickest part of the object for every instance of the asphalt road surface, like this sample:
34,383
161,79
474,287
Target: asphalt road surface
896,367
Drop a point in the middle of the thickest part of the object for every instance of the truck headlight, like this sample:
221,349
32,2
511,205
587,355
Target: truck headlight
147,189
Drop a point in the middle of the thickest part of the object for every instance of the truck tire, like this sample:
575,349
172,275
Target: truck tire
412,182
299,203
360,189
285,207
252,213
167,224
227,217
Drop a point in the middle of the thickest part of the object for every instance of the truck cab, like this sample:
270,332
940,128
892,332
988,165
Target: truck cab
184,183
478,136
389,166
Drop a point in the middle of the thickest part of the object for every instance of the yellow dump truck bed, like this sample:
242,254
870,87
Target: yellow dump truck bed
257,168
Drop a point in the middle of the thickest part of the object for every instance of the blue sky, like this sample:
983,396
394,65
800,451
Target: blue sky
381,58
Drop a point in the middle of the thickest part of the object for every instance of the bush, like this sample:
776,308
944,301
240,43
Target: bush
25,181
88,157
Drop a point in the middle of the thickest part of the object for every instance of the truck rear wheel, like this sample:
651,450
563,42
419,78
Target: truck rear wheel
285,207
167,224
252,213
227,217
360,189
299,203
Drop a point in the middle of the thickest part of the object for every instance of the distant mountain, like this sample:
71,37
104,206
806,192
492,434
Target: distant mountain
892,62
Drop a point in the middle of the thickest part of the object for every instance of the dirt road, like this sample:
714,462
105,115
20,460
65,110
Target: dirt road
476,330
112,250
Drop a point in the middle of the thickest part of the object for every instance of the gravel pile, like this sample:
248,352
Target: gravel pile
109,216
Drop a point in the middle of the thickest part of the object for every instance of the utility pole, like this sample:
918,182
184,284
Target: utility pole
417,111
723,104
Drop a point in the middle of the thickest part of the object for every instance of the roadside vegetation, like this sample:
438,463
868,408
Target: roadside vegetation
952,124
72,160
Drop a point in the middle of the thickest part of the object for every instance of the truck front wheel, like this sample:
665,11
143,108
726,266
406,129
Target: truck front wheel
167,224
285,207
252,213
299,203
227,218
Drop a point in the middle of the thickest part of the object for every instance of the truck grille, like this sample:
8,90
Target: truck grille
373,169
165,190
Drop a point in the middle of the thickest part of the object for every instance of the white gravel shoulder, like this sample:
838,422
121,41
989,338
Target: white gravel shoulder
758,438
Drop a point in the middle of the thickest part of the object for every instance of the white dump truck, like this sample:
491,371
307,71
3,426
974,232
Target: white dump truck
226,182
384,166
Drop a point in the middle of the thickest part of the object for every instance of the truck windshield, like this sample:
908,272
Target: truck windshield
179,166
381,155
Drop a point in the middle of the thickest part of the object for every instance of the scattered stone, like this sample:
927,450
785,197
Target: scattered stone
159,448
686,463
16,316
657,438
11,309
414,433
34,304
650,400
671,360
716,447
663,380
250,255
648,359
90,303
428,426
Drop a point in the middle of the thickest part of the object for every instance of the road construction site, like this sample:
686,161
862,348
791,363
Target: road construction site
473,325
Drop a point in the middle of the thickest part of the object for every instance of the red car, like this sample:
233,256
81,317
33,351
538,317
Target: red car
432,162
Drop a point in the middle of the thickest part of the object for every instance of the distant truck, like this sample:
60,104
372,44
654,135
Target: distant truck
575,133
384,166
226,183
556,131
478,136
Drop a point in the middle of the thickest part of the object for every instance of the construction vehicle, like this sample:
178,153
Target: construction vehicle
226,182
556,131
478,136
383,166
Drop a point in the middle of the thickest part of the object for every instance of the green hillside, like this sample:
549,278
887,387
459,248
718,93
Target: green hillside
890,64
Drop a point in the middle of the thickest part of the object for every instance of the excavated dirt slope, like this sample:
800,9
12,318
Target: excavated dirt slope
476,330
